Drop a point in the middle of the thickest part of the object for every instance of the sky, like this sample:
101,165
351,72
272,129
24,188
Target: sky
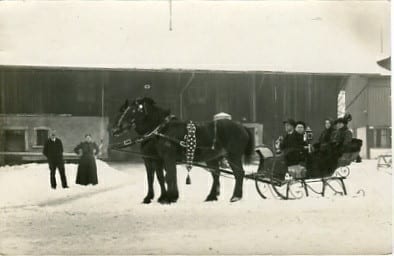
283,36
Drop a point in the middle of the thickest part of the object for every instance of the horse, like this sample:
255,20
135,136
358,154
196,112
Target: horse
163,132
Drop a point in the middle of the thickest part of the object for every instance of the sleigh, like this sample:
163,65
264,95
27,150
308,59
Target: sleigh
294,182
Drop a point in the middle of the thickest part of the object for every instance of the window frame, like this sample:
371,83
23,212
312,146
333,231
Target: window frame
35,139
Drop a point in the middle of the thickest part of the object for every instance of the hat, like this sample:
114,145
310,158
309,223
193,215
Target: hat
301,123
340,120
344,120
290,121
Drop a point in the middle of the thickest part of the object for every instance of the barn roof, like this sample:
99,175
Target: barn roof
297,36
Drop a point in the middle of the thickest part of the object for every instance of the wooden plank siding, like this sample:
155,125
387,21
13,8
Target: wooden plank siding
356,88
368,99
306,97
302,97
379,105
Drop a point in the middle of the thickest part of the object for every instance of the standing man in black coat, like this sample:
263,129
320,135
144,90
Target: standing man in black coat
53,150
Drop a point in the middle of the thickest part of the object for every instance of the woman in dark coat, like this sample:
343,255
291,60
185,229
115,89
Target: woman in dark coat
87,170
342,137
325,136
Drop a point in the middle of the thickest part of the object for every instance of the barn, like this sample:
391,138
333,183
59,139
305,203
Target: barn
260,62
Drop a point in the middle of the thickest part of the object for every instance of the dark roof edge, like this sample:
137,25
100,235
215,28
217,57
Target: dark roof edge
181,70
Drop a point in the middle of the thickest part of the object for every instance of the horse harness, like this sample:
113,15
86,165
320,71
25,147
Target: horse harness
189,142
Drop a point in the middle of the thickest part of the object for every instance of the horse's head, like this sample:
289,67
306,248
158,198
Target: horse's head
130,113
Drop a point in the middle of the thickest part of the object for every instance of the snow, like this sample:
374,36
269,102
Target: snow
110,219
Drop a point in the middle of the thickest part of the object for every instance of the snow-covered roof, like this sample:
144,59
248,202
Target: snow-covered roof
283,36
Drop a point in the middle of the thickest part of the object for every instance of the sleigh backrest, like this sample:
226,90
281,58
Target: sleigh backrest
271,165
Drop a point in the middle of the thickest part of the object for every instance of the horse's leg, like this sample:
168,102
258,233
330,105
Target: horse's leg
215,189
150,171
160,176
171,178
235,162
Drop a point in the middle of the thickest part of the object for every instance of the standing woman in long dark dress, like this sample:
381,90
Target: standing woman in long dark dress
87,169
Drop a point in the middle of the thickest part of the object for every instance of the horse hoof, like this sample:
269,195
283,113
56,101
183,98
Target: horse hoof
211,198
146,201
235,199
163,200
172,200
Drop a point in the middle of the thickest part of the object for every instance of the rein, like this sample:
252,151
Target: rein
123,115
189,143
145,137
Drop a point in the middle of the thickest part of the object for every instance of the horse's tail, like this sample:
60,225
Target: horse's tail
249,150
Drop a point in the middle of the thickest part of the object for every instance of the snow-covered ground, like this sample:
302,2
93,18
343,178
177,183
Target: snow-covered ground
110,219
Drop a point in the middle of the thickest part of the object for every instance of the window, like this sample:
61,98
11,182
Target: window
41,137
382,138
14,140
385,138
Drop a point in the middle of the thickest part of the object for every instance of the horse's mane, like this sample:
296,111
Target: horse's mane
154,116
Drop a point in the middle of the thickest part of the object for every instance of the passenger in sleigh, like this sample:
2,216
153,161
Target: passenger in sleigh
325,137
292,144
288,149
293,147
298,170
338,149
345,146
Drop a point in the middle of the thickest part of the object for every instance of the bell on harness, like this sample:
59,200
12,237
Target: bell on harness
190,142
188,180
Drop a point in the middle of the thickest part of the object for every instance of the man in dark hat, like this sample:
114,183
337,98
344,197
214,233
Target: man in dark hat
53,150
291,144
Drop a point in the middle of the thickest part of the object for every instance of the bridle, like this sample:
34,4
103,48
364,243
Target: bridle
123,116
141,108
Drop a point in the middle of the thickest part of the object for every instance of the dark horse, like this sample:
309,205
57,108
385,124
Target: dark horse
214,140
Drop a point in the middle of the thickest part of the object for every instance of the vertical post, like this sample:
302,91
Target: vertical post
103,130
253,97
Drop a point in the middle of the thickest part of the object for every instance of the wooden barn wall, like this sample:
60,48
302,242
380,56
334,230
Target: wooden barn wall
213,93
379,102
356,88
121,85
49,91
309,98
368,100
